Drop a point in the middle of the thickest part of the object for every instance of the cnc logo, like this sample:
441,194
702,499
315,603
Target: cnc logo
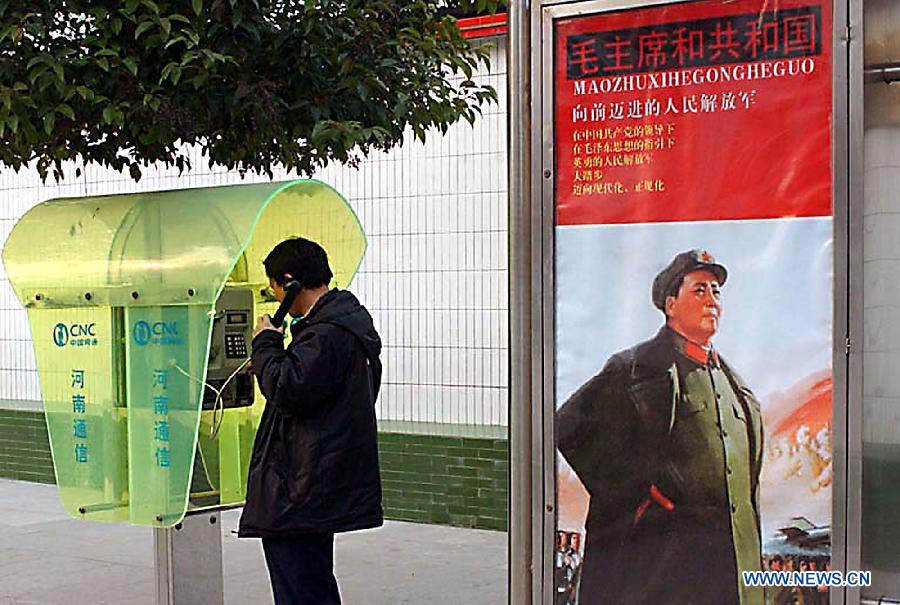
156,333
75,335
61,335
141,332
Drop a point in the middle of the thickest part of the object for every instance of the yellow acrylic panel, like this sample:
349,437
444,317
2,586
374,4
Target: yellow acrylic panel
79,377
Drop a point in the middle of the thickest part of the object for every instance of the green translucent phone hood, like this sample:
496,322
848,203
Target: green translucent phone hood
121,293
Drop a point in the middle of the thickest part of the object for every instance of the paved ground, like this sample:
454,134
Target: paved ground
48,558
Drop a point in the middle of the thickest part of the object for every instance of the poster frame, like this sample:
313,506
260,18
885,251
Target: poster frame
847,175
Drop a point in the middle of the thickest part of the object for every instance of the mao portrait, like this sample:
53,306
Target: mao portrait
667,440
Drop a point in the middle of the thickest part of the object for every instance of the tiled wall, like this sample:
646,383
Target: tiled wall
24,448
446,480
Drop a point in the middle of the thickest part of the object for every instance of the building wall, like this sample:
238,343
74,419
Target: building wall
881,307
434,278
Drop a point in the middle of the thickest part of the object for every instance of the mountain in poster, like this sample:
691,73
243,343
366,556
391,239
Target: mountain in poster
797,470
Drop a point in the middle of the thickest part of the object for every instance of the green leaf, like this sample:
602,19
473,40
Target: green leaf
166,71
116,25
153,6
152,102
131,65
49,121
198,7
109,114
67,111
142,28
103,63
174,40
13,121
166,26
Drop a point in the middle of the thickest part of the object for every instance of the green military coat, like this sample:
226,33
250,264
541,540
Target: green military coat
655,417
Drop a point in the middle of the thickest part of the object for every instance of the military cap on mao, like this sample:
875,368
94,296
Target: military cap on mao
681,265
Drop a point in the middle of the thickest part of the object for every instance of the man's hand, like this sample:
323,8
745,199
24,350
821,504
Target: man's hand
265,323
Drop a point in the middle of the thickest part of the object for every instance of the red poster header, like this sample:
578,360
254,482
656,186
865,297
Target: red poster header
699,111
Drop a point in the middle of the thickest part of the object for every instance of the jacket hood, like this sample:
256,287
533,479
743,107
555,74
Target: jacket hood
341,307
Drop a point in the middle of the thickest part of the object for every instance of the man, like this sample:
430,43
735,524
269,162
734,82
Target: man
779,595
667,439
573,562
559,568
314,469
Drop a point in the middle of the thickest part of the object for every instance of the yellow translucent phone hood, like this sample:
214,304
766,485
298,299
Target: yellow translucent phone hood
121,293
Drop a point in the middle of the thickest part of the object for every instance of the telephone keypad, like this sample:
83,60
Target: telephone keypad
235,346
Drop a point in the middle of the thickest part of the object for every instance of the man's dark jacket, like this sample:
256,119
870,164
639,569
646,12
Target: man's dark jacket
614,431
314,467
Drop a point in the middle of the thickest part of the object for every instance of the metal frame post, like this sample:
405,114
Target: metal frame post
188,561
849,175
521,333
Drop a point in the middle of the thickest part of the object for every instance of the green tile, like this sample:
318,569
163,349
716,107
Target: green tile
479,463
463,520
439,517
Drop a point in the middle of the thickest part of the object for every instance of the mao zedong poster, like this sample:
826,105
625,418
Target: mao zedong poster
693,300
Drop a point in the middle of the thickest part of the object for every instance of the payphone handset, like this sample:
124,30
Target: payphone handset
291,290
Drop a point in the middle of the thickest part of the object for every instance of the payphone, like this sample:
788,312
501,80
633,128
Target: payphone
229,350
227,384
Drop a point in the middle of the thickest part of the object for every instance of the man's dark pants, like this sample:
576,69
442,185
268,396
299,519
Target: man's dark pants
302,569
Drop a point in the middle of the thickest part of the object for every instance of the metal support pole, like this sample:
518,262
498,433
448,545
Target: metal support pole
520,305
885,72
188,561
850,463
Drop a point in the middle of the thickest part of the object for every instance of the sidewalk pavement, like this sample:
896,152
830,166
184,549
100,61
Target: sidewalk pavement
46,557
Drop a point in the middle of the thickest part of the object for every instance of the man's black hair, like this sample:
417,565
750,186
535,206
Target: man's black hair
305,260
